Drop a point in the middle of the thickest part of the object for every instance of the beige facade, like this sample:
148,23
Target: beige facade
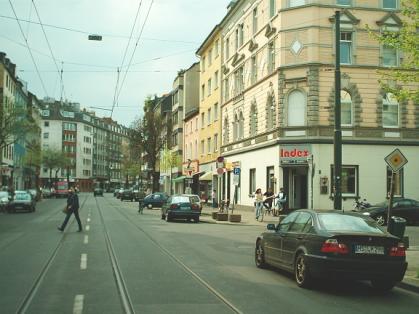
278,92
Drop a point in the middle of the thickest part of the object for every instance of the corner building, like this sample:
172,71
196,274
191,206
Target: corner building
278,102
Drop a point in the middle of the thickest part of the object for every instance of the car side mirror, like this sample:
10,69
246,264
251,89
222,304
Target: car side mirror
271,227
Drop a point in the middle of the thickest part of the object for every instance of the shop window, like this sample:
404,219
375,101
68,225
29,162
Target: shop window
349,180
296,108
397,183
270,178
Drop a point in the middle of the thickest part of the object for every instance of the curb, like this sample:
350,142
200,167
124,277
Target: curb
408,286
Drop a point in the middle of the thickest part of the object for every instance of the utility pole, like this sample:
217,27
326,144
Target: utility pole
337,140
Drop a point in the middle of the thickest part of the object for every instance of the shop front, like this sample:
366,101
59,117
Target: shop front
295,164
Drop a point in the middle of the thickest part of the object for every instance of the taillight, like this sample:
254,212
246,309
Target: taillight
399,250
174,206
333,246
195,206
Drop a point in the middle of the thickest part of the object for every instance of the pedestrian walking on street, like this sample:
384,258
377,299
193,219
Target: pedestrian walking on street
259,204
72,208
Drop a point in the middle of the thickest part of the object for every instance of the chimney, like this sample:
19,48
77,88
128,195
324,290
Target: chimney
2,56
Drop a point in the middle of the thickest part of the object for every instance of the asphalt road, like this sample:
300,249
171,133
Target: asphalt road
124,262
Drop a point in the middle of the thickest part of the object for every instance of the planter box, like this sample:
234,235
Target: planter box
222,216
214,215
235,218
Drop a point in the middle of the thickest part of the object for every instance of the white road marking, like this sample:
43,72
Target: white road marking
86,239
83,261
88,219
87,228
78,304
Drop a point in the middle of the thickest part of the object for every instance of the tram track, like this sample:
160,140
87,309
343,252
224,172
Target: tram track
173,257
28,298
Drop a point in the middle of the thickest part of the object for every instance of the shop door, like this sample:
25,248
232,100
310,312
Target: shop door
298,195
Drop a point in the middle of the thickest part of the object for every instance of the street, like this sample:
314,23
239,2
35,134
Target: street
124,262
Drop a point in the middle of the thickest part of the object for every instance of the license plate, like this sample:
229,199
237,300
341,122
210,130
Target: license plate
184,207
368,249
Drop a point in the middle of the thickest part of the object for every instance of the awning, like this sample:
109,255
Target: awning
179,179
206,177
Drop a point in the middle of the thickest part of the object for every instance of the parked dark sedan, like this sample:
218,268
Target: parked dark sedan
98,191
181,207
127,194
318,245
402,207
22,201
155,200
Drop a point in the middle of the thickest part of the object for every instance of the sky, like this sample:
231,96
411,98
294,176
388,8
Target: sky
168,39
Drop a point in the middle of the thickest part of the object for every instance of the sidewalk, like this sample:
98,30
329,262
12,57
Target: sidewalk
410,281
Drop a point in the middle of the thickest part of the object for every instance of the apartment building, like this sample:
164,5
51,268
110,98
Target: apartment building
278,102
210,53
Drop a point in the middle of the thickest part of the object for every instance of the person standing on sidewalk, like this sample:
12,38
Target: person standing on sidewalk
72,208
269,196
259,203
213,197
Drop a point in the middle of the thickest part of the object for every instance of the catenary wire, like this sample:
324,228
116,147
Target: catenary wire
29,49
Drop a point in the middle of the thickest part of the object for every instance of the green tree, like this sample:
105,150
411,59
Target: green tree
403,82
32,161
54,160
147,132
168,161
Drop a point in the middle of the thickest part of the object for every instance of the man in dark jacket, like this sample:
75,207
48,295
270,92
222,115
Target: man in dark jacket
72,208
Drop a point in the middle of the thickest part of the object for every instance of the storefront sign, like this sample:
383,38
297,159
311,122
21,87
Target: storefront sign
190,168
294,154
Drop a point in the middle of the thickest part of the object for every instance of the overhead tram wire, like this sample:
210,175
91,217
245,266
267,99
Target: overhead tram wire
29,49
133,53
125,54
68,29
60,72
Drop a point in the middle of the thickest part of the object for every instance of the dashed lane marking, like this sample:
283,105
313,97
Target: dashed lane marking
78,304
87,228
83,261
86,239
88,219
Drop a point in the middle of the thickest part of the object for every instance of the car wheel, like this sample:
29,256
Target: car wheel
301,271
383,285
260,255
381,220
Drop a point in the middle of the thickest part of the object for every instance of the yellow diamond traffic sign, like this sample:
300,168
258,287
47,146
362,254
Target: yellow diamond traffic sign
396,160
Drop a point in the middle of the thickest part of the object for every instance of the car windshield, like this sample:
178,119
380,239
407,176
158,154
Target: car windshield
22,197
348,223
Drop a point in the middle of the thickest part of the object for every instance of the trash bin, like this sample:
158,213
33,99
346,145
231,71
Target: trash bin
397,226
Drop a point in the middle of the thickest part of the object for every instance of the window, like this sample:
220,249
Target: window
296,3
217,48
349,180
46,123
203,64
272,8
255,20
344,2
87,128
209,116
252,181
271,57
202,147
397,183
209,87
202,120
227,48
236,127
254,70
208,145
236,41
69,126
389,55
346,108
241,126
270,112
196,124
346,47
390,4
240,29
46,135
202,91
215,142
210,57
390,111
215,112
296,108
196,149
285,224
238,81
225,134
300,223
253,119
226,89
216,75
